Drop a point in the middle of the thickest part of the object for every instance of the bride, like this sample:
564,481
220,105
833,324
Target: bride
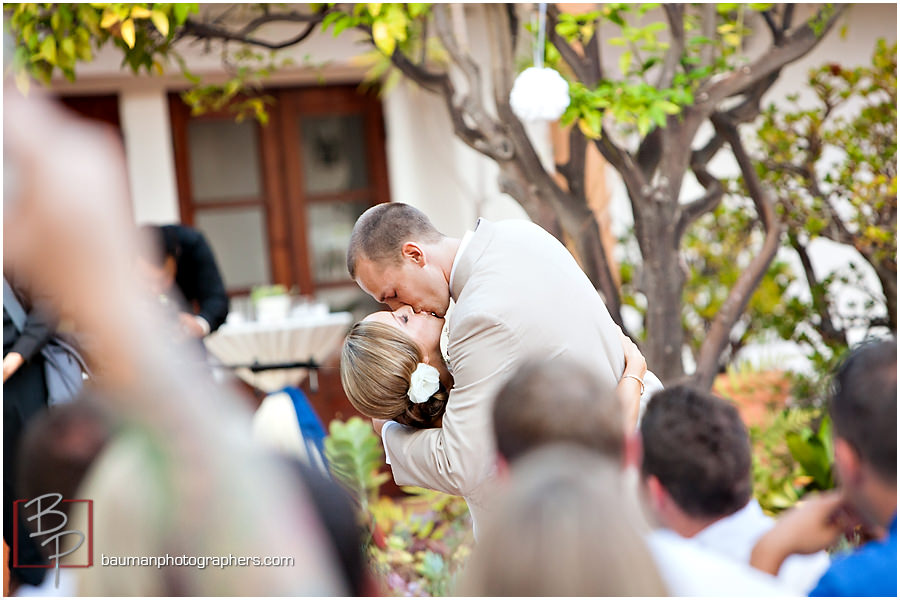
392,368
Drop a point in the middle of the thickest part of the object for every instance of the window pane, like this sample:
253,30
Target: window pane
240,243
224,160
333,153
330,224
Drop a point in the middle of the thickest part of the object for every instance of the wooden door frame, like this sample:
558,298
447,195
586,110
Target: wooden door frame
283,197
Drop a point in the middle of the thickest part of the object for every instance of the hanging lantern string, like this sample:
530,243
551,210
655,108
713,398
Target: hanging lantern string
541,27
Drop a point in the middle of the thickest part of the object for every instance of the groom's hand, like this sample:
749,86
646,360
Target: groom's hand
378,425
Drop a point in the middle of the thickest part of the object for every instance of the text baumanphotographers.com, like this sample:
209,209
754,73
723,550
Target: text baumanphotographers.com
199,562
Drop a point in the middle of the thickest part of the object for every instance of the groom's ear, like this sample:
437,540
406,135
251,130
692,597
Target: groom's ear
412,251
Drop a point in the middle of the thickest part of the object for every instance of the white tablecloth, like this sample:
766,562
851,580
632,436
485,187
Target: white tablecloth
296,339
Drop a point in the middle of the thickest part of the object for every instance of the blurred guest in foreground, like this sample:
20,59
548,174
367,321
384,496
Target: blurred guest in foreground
182,476
561,529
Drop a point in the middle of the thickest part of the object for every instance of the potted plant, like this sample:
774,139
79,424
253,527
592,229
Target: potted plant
271,302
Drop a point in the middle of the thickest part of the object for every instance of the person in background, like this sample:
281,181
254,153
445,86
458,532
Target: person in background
24,399
696,471
177,258
863,411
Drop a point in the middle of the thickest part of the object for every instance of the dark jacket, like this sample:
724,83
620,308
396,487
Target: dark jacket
197,275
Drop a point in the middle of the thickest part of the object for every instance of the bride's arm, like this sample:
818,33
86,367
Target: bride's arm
631,385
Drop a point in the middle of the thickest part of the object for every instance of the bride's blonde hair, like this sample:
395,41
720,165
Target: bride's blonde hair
377,361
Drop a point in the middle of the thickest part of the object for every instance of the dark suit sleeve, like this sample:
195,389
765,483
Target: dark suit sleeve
36,332
208,284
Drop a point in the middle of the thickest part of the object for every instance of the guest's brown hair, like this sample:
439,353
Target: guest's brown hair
558,401
562,529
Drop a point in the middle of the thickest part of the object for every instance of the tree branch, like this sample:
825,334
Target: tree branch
777,32
830,334
797,44
692,211
675,16
471,103
204,31
708,30
574,169
739,295
568,53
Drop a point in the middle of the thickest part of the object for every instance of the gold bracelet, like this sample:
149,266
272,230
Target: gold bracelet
638,379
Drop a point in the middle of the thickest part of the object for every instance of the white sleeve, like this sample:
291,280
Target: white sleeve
384,430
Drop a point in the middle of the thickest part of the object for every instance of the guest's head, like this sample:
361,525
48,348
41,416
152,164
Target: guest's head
378,359
158,252
562,529
560,401
393,256
696,465
863,410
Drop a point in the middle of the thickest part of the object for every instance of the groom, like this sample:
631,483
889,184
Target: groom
519,294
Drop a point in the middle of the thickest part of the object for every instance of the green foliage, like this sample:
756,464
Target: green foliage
57,36
355,457
792,456
716,249
417,543
427,539
833,162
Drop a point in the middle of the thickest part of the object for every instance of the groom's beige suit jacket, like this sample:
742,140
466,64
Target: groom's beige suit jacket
519,295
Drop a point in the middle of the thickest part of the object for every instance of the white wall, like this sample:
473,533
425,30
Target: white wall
145,122
427,166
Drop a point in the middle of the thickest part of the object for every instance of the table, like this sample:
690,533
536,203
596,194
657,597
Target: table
295,339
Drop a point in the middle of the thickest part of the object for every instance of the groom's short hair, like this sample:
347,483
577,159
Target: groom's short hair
380,232
698,448
558,401
863,405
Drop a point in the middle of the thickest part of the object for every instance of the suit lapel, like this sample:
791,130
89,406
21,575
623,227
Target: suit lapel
481,238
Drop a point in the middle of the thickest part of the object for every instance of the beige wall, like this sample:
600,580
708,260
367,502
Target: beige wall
428,167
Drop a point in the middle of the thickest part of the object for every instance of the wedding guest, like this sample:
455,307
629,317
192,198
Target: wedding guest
686,569
177,261
24,399
561,529
863,409
182,477
57,450
696,470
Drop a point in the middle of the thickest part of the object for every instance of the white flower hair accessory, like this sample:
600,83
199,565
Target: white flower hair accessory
423,383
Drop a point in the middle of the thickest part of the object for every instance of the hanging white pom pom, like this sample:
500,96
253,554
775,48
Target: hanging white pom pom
539,94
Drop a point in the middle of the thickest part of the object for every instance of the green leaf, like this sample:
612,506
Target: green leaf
48,49
160,21
625,62
344,23
384,41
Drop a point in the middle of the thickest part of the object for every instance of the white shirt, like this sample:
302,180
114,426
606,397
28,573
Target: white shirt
690,570
735,536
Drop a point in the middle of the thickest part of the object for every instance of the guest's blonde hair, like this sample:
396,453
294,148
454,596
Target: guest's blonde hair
377,361
562,529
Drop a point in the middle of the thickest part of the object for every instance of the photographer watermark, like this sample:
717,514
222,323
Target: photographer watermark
199,562
47,527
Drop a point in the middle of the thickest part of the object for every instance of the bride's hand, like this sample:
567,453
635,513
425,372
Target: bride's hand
635,363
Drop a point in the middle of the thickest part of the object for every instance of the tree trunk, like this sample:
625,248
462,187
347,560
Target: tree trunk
888,279
663,284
